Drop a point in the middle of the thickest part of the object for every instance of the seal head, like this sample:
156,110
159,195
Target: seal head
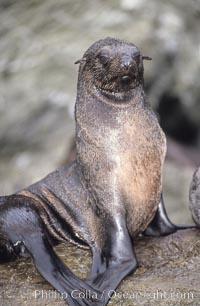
113,68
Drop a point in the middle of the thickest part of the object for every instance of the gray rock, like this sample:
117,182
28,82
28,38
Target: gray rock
195,196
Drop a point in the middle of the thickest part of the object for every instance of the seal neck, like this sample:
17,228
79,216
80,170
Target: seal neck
87,92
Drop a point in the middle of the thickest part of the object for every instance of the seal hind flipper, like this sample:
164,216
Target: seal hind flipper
22,230
161,224
12,212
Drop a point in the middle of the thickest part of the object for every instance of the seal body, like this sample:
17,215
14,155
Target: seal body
127,148
109,194
121,135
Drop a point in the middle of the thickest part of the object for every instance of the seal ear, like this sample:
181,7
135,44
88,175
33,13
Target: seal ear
83,59
77,62
148,58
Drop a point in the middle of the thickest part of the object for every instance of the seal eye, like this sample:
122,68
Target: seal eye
104,59
137,57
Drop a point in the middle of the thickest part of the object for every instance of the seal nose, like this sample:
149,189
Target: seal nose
127,59
126,62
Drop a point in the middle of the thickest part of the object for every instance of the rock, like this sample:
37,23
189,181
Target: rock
176,183
195,196
168,274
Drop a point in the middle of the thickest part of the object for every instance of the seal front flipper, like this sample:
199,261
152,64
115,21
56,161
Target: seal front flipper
114,261
161,224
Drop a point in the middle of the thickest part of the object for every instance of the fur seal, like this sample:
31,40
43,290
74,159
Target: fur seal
110,194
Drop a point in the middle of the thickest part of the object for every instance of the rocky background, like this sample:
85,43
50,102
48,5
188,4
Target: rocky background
39,43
